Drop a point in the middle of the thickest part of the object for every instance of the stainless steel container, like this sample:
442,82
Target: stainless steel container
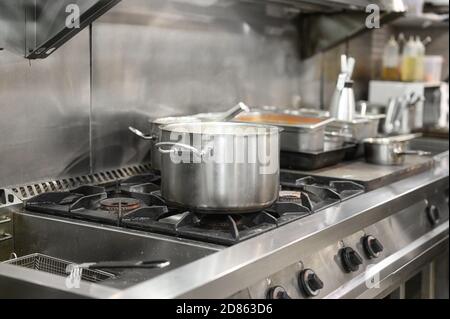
155,134
389,150
155,131
220,167
356,130
308,112
299,133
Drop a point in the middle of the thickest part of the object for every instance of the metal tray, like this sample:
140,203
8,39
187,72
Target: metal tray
58,267
315,160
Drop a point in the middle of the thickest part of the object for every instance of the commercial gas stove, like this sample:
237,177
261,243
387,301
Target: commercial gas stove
136,203
325,237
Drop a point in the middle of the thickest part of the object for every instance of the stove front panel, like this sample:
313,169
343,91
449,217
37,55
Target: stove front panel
408,237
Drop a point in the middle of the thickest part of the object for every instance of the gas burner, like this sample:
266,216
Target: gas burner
289,196
122,204
137,203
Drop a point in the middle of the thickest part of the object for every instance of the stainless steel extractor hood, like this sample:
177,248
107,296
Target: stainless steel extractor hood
42,26
320,31
337,5
323,24
39,26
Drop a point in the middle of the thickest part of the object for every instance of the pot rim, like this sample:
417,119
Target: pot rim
174,120
268,129
391,140
288,127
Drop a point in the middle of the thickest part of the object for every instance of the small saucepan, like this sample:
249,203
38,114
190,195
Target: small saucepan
390,150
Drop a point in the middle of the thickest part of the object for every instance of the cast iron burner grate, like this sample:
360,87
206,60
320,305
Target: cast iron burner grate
137,203
319,193
224,229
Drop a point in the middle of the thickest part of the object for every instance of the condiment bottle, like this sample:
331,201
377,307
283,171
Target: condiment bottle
409,61
391,61
419,69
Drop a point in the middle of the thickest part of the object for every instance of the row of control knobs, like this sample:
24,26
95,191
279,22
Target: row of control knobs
351,259
310,283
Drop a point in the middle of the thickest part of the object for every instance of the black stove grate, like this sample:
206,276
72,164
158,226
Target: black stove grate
300,196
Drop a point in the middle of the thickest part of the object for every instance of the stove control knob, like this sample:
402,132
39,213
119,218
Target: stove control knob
309,283
372,246
277,292
433,215
350,259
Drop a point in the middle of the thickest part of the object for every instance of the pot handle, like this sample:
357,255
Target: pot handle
142,135
235,111
185,146
410,152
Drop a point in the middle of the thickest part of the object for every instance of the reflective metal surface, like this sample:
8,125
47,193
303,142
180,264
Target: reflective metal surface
45,105
235,167
37,28
12,26
306,136
255,259
388,153
176,66
404,236
397,214
85,242
48,24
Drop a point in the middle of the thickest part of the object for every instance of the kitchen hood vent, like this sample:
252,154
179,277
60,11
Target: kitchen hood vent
48,22
323,24
321,32
42,26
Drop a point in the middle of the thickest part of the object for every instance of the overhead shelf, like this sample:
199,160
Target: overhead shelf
425,20
322,24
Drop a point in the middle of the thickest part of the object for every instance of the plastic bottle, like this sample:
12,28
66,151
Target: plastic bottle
409,61
419,70
391,61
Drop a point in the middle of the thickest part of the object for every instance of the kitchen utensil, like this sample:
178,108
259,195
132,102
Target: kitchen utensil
335,99
390,150
234,111
155,131
57,266
337,139
223,116
315,160
351,62
405,117
342,105
219,167
389,124
299,134
355,130
332,155
346,103
148,264
308,112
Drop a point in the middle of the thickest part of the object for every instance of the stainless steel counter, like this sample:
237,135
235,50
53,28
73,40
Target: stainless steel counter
238,267
394,213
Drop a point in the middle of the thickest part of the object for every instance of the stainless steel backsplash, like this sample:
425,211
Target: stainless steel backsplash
146,62
68,114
